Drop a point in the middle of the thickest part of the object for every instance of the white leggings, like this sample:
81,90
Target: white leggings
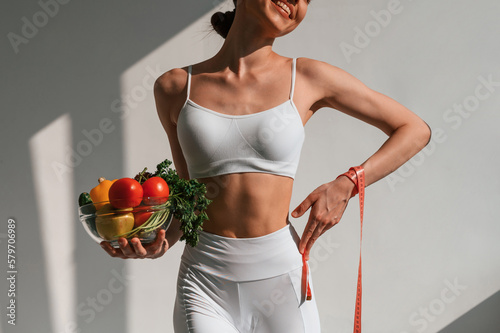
244,285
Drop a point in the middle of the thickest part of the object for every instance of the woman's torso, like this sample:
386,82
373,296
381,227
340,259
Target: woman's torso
254,199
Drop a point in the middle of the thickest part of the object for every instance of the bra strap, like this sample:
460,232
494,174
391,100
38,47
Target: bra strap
293,78
190,67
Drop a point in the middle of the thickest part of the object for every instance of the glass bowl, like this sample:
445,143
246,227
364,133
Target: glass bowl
104,222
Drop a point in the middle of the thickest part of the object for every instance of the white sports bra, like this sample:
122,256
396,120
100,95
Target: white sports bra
214,143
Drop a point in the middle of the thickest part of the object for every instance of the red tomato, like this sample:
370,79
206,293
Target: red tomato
155,191
125,193
140,217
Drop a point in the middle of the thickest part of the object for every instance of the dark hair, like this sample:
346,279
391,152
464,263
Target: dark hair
222,21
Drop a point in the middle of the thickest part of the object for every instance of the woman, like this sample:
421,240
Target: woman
235,122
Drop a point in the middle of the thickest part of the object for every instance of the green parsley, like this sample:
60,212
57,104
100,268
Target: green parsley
188,201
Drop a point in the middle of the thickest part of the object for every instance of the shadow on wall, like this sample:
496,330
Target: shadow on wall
72,67
484,318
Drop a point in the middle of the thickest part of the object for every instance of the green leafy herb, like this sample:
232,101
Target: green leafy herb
188,201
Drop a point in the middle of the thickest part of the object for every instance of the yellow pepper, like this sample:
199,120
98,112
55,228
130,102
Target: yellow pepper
100,193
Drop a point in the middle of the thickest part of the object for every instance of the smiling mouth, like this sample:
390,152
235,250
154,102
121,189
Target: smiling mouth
283,7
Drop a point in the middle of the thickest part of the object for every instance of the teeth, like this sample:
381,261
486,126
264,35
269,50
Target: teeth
284,6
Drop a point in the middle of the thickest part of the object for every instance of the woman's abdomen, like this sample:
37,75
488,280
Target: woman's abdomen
247,204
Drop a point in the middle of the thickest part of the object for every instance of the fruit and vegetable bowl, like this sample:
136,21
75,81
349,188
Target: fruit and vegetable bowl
143,205
104,222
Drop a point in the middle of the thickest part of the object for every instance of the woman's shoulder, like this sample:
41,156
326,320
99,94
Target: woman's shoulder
316,68
172,82
323,76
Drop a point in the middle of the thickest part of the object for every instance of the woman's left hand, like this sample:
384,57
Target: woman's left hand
327,203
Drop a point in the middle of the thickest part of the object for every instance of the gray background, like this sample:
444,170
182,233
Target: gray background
431,232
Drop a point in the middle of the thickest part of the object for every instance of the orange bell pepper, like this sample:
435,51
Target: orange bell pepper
100,193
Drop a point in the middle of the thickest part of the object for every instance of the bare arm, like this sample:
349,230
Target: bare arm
408,134
169,92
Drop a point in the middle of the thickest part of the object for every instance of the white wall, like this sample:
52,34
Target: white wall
430,245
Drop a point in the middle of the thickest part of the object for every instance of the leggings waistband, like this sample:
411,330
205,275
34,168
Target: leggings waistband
245,259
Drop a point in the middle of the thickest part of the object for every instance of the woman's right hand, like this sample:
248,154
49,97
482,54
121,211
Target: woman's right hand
135,250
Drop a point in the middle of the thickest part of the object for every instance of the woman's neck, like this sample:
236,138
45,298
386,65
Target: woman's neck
246,46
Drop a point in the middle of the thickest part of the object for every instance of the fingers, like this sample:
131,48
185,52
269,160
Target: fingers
303,207
307,241
133,248
306,235
316,226
327,204
138,250
318,231
158,247
115,253
313,230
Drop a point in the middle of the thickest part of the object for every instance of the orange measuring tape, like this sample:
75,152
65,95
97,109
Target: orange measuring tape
357,176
